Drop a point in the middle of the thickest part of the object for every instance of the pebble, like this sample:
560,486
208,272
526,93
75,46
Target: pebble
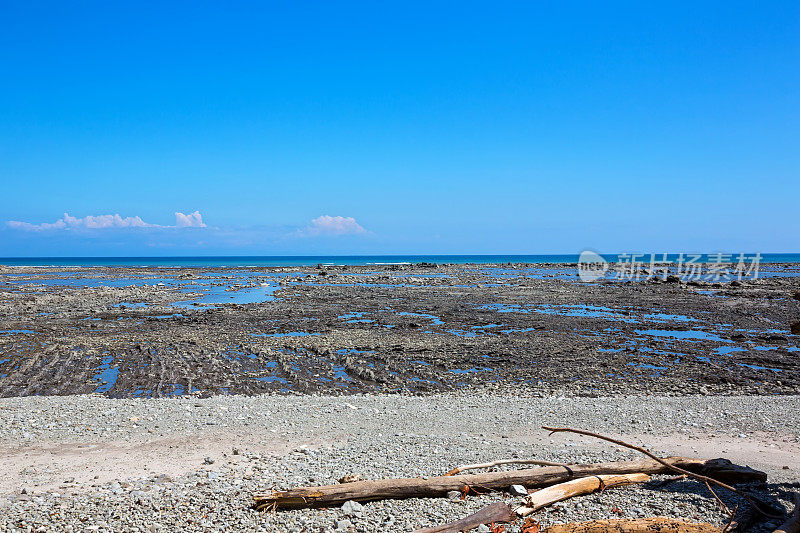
352,508
518,490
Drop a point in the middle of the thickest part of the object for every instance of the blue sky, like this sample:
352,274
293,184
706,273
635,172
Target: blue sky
377,127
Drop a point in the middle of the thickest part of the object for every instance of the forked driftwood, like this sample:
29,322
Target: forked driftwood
492,464
643,525
792,524
758,506
502,512
576,487
384,489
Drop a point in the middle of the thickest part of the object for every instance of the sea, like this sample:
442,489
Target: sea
310,260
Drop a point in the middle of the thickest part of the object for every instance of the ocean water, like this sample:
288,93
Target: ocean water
310,260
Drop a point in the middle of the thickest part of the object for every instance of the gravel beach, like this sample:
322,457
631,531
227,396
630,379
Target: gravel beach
88,463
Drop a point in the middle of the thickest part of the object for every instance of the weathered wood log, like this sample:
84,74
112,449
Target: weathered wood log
384,489
576,487
792,524
497,512
644,525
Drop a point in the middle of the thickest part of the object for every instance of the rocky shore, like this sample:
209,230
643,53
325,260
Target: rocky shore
163,332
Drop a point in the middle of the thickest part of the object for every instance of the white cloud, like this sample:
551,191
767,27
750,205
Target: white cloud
192,220
328,225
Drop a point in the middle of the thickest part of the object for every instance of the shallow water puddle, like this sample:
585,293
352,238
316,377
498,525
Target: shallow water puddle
237,354
353,351
340,373
647,366
355,318
727,350
83,283
666,317
505,308
713,293
462,333
756,367
609,350
273,379
435,320
473,370
219,294
517,330
584,311
530,273
107,374
690,335
286,334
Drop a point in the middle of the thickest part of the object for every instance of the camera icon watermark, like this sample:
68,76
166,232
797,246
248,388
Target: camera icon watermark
591,266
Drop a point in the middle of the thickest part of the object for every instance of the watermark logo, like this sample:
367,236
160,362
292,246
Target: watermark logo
668,267
591,266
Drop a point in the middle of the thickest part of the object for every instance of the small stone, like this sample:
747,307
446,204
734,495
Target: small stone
343,525
352,508
518,490
454,495
208,461
483,528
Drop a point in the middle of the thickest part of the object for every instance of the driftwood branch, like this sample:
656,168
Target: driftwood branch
464,468
644,525
756,504
385,489
792,524
722,503
743,522
497,512
576,487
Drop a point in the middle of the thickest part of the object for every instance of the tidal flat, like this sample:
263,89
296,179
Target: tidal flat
413,329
